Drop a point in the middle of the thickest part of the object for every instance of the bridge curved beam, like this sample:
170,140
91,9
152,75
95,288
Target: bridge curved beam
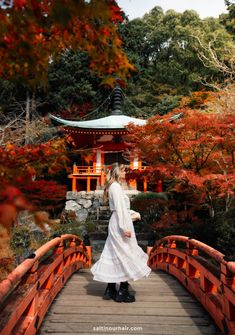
28,291
204,271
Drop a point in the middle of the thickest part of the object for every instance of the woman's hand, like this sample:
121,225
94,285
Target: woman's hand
135,216
127,233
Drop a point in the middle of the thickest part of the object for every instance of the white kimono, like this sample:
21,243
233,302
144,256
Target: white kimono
122,259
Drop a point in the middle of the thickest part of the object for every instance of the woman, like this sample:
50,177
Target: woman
122,259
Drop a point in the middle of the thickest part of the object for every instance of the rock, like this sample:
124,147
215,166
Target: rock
85,203
89,195
90,205
82,228
81,194
96,203
71,205
70,195
82,214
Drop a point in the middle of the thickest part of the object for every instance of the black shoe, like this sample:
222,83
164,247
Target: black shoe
110,293
123,295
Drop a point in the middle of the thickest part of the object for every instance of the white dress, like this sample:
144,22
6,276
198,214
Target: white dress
122,259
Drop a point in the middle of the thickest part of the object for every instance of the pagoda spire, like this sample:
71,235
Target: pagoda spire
117,101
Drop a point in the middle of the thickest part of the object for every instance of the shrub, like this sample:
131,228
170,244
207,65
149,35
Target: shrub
20,240
224,225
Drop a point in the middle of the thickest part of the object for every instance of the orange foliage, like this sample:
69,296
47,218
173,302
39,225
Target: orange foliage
25,167
12,201
197,99
198,141
34,32
7,262
196,151
32,161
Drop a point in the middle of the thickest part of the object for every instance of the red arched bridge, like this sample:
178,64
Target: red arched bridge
202,303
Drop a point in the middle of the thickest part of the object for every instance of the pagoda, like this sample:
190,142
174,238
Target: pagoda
100,143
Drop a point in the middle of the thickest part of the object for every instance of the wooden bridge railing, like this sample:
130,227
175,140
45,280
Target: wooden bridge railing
28,291
204,271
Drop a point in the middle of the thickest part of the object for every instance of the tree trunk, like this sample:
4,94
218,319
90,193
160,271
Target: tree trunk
29,110
27,119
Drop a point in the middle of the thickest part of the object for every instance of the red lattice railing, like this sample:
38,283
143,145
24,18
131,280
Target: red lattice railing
204,271
28,291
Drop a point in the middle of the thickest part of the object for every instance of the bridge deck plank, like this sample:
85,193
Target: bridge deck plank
162,306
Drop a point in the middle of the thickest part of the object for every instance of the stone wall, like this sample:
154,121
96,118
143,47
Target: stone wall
87,204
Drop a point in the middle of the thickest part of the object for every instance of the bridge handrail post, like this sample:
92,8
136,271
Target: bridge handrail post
227,278
191,249
31,275
88,264
191,271
171,243
59,249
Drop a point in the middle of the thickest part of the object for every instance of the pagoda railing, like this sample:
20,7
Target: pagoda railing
28,291
98,173
77,170
204,271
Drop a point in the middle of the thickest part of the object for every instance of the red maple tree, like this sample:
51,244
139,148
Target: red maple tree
194,151
23,170
33,33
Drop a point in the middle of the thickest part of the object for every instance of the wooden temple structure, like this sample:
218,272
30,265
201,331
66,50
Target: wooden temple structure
100,143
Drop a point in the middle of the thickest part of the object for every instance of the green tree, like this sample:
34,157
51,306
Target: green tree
166,53
73,83
229,19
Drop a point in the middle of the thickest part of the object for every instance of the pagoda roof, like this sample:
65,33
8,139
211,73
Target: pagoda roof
108,122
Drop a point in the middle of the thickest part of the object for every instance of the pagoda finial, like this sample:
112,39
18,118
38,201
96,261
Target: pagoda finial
117,101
